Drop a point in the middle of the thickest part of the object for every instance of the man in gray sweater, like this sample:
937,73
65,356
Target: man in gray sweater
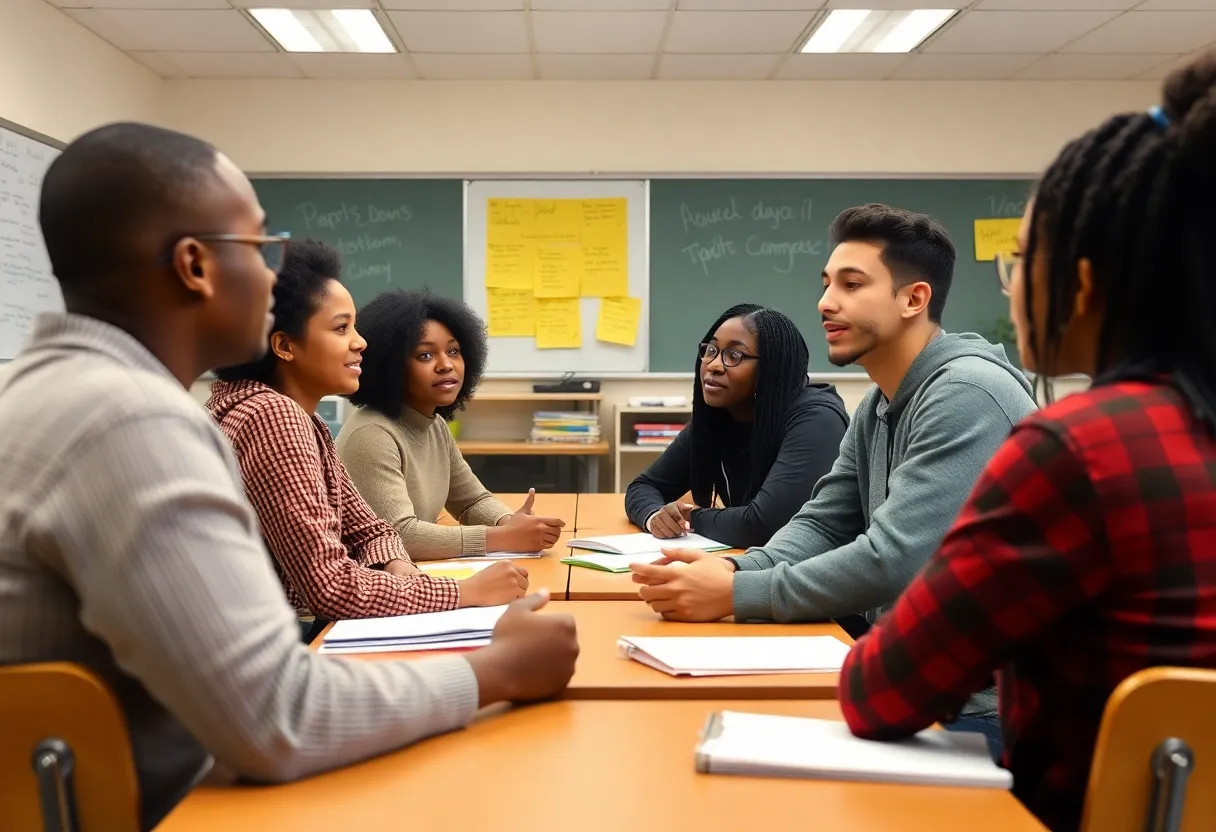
941,406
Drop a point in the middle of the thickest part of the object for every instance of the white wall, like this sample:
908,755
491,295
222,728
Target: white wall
645,127
60,79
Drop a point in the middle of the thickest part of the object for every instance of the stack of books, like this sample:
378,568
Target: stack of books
657,433
565,426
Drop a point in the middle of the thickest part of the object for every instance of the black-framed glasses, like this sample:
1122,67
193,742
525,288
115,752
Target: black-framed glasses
731,357
1005,263
272,247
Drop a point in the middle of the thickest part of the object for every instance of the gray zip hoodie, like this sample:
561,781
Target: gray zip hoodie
904,471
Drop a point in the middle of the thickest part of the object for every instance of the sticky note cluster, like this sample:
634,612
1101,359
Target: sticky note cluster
544,255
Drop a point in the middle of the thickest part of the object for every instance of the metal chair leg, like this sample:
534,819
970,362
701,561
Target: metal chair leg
1172,764
54,766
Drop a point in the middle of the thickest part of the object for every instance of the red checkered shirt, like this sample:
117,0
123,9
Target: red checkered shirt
1086,552
323,536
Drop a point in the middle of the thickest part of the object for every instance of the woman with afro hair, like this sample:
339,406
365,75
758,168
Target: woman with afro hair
425,355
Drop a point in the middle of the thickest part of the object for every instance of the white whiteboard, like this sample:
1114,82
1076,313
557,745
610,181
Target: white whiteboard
27,286
520,355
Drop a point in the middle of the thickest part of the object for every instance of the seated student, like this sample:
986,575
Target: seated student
760,437
336,557
424,359
1087,550
941,406
128,544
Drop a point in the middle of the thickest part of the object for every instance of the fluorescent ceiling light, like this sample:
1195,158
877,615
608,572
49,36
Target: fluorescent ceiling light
336,30
876,30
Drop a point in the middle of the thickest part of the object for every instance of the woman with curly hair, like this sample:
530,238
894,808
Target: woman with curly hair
424,358
336,558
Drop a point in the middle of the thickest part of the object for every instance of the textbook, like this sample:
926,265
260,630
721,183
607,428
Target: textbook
468,627
643,543
786,746
735,655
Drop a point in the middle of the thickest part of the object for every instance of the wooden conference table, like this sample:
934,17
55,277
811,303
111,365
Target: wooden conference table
615,753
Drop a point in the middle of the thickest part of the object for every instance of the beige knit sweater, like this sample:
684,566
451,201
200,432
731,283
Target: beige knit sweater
408,470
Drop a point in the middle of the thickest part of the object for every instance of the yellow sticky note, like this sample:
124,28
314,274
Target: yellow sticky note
509,265
618,321
995,236
550,220
512,312
460,573
605,270
557,271
505,220
558,324
600,214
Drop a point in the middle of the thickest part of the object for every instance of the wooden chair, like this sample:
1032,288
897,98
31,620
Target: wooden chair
65,757
1155,760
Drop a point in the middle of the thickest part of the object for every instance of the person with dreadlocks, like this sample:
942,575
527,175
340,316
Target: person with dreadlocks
1087,550
759,439
941,406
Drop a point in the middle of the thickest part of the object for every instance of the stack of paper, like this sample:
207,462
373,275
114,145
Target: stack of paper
736,655
565,426
786,746
643,543
470,627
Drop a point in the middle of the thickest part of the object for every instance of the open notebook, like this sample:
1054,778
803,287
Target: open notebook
735,655
612,563
469,627
643,543
787,746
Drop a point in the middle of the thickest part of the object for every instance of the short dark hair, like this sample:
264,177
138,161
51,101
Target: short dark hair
780,379
111,184
392,323
1133,196
915,247
307,269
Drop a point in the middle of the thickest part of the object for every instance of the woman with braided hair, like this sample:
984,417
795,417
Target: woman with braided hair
1087,551
760,437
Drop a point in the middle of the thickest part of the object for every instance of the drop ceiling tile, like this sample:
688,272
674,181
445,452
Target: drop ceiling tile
753,5
1067,67
491,33
1162,70
1175,6
716,67
159,63
754,33
352,65
600,5
174,31
595,67
473,67
451,5
1148,32
1056,5
1025,32
235,64
141,4
597,32
845,67
944,67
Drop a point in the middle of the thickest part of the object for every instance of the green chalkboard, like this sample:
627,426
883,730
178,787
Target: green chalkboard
715,243
392,233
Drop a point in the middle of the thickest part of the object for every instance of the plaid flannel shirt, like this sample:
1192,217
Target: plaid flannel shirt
1086,552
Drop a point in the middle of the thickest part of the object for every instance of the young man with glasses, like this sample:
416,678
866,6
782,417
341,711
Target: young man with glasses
128,544
941,406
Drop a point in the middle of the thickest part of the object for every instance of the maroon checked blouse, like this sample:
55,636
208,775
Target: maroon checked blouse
1086,552
323,536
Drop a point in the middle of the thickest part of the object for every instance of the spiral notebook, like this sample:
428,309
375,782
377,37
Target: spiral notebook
786,746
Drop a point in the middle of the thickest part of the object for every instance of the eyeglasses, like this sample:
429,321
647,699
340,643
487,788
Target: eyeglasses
1005,263
272,247
730,357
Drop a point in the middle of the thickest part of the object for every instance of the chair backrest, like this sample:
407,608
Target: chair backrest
61,705
1148,709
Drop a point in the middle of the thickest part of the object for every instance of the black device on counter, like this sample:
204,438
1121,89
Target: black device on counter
568,384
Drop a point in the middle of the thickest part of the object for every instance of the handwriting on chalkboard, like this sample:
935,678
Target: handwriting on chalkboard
764,230
1003,206
352,214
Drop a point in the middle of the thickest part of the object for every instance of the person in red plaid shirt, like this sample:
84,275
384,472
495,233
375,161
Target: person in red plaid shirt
1087,550
336,558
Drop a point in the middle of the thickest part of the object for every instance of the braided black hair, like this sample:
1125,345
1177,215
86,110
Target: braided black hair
780,376
1133,196
392,324
299,291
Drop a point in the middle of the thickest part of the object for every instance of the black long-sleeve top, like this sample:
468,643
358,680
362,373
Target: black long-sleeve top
814,427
